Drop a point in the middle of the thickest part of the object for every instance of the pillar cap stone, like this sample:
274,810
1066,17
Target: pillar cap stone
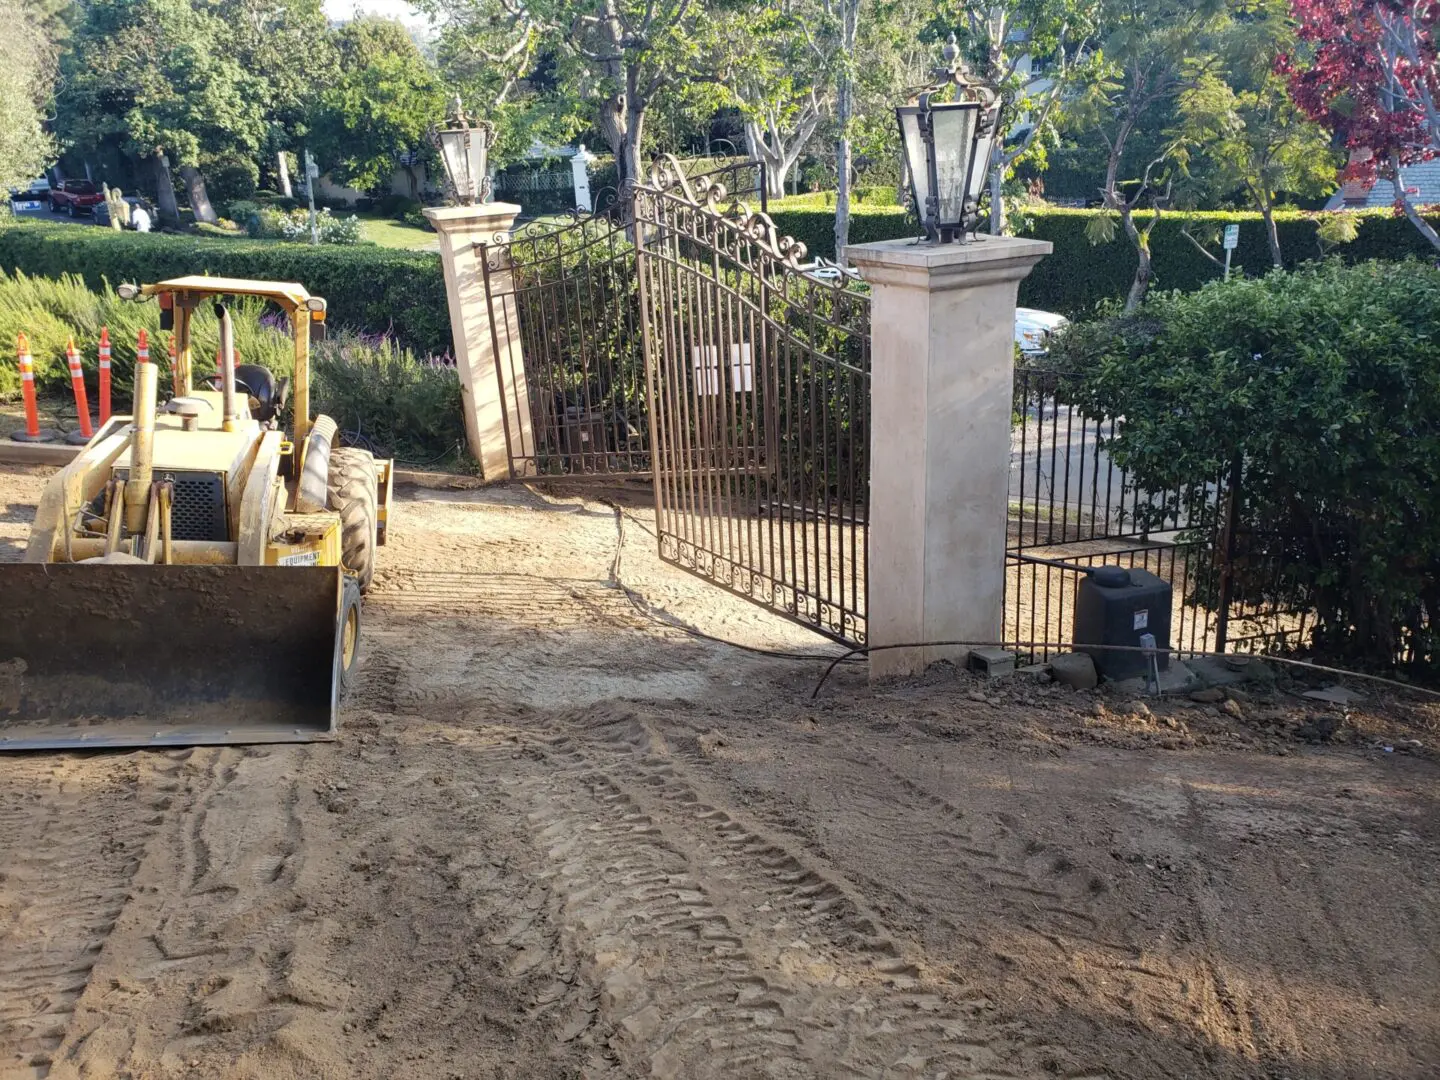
495,215
936,267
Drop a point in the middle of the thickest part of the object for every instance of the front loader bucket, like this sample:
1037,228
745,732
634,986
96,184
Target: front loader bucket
104,654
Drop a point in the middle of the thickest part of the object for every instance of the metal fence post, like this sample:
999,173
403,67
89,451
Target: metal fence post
1227,556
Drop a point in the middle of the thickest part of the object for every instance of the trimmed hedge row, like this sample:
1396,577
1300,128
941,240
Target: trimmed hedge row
400,293
379,290
1078,274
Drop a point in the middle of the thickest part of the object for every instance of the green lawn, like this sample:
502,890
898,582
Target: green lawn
389,233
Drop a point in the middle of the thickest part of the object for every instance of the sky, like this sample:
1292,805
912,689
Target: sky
391,9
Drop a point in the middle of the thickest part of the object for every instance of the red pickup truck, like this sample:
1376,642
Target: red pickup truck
75,197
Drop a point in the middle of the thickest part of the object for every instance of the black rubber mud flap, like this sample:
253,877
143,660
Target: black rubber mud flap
117,655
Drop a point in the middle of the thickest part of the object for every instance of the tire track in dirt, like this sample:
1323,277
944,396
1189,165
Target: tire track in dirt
73,831
216,961
719,950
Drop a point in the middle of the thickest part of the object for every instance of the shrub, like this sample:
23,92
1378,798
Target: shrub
329,228
266,223
1323,384
242,210
400,293
397,206
385,398
232,179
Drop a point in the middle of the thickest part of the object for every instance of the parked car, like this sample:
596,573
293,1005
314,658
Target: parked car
1034,328
102,210
33,197
76,197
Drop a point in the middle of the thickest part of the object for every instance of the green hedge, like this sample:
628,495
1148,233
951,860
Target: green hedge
379,290
1078,274
1321,384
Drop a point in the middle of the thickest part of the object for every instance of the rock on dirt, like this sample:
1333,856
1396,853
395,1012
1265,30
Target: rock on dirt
1075,670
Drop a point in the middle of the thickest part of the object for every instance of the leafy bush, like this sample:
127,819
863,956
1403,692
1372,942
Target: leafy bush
399,293
417,219
235,178
385,398
242,210
1323,384
266,223
397,206
329,228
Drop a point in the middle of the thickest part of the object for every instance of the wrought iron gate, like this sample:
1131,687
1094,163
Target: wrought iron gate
758,374
564,297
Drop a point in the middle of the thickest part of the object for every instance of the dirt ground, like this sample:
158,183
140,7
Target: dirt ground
562,837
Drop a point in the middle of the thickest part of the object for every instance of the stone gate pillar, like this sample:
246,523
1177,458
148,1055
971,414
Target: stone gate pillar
494,393
942,384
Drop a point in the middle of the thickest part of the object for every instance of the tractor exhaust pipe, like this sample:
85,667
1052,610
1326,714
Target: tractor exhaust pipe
227,368
142,448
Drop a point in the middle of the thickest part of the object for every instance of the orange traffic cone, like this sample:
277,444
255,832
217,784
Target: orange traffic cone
104,374
82,405
32,432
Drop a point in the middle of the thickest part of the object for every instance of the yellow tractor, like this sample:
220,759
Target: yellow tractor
194,575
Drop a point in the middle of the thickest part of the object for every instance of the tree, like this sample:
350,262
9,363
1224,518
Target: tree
1151,51
289,44
155,79
384,99
27,67
1239,124
617,56
1373,80
774,61
1012,39
844,19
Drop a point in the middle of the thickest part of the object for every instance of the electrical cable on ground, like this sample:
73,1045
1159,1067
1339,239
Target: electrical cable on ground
1191,654
856,655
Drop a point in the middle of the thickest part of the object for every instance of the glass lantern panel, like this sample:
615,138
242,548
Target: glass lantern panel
954,143
478,150
914,144
981,170
457,167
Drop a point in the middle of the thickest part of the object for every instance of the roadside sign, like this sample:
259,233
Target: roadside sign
1232,237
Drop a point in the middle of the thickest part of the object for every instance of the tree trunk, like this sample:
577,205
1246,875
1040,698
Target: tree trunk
1272,234
1143,268
282,170
629,161
843,107
1416,219
165,190
199,197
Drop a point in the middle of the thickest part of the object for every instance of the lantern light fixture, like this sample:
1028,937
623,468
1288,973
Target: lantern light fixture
947,147
464,151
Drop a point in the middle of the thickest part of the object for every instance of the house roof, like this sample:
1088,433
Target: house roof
1421,182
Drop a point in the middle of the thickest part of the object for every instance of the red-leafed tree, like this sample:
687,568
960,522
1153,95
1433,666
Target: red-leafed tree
1373,78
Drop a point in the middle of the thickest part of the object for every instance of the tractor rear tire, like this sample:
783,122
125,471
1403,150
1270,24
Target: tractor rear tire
353,494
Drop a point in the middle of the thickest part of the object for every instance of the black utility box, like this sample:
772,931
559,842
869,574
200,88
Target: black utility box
1114,606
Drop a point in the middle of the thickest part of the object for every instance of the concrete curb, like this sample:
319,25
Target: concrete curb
16,453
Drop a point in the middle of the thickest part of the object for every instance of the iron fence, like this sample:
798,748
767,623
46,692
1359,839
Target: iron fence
564,299
1070,503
